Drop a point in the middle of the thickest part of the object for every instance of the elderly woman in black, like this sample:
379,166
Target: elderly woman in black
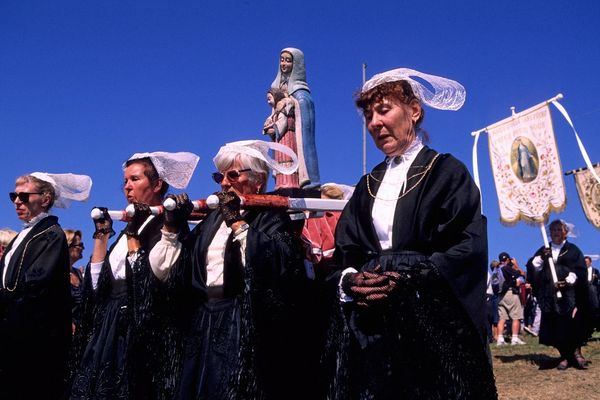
413,246
241,269
563,319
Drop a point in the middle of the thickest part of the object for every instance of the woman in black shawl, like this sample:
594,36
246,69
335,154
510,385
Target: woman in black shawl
243,276
412,247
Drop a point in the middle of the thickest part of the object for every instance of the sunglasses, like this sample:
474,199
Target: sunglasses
232,175
77,245
23,196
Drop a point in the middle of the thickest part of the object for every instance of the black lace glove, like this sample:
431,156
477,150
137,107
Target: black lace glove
179,215
103,225
229,204
368,288
142,212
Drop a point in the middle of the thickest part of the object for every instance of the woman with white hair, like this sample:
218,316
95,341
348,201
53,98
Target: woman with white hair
242,271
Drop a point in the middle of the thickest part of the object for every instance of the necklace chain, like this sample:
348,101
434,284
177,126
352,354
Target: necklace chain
422,174
23,258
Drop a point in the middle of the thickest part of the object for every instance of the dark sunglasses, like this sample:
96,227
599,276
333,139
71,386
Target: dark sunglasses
77,245
232,175
23,196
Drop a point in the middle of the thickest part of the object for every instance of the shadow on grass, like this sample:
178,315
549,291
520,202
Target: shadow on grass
543,361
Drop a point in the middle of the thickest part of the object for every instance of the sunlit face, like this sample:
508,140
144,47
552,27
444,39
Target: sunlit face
138,188
243,184
75,249
270,99
286,62
37,203
390,123
558,233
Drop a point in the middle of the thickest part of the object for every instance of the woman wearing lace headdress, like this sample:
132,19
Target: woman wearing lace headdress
127,345
291,77
242,273
35,300
412,247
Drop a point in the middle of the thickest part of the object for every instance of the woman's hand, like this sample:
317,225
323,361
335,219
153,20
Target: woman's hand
103,225
230,204
178,216
368,288
142,212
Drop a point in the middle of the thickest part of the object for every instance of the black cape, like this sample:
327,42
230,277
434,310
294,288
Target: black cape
429,339
35,318
264,311
128,345
557,327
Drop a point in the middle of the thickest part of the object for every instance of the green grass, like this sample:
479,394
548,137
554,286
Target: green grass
528,372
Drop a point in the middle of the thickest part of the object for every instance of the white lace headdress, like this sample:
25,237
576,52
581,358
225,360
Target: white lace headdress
67,187
260,149
174,168
447,94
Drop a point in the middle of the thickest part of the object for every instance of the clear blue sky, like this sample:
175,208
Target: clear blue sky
83,85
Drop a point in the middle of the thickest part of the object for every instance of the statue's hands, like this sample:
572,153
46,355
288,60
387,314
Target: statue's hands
103,225
142,212
230,204
178,216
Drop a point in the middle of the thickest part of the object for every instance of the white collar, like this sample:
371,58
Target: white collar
35,220
409,154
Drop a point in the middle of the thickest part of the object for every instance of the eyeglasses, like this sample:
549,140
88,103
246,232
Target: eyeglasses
23,196
232,175
77,245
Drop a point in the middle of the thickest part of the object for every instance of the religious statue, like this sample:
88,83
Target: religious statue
280,126
291,78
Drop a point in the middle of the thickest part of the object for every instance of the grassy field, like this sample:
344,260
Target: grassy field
528,372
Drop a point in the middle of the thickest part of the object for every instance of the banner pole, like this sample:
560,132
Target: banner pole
550,260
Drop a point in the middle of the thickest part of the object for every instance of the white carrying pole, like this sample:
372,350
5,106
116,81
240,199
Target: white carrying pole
364,127
550,259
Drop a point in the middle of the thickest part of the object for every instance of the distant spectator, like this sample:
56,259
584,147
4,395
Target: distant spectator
76,276
593,276
509,305
6,236
492,300
563,320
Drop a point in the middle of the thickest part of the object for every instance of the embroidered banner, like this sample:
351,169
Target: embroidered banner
526,166
588,189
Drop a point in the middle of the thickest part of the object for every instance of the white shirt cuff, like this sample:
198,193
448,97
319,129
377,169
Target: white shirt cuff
571,278
95,269
537,262
164,254
344,298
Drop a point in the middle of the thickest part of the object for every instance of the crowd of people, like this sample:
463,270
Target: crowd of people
384,300
556,299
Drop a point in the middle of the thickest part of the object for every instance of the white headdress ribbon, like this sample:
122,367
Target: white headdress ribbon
174,168
260,149
447,94
67,187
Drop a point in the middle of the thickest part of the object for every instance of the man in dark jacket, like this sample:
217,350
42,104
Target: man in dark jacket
35,314
509,305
